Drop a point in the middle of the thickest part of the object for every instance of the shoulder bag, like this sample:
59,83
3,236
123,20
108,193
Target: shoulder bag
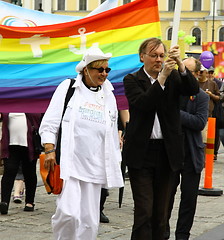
52,181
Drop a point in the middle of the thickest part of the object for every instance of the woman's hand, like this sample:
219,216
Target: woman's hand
50,156
50,161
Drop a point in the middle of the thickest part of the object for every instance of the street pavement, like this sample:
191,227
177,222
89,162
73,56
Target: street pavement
208,224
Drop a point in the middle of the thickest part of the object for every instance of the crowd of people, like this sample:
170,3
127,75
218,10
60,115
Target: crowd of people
161,138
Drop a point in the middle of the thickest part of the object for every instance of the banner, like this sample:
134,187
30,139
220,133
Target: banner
34,60
13,15
217,48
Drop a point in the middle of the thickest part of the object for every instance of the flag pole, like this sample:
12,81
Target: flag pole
176,22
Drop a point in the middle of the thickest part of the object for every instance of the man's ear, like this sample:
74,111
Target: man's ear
141,57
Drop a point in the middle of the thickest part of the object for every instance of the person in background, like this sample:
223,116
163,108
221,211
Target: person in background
103,197
17,148
211,88
90,151
194,114
123,118
221,130
18,186
154,141
211,76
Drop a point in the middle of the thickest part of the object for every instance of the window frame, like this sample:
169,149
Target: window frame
221,34
83,4
169,33
126,1
198,38
171,5
196,5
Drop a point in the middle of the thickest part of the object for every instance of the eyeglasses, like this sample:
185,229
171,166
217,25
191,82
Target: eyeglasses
155,56
101,69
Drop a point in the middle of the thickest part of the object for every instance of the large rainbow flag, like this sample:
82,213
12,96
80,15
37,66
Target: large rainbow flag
34,60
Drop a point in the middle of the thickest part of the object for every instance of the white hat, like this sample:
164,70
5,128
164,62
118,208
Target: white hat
203,68
92,54
211,69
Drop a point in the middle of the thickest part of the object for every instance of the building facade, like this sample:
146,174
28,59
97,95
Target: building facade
203,19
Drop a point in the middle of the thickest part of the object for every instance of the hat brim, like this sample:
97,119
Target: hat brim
91,58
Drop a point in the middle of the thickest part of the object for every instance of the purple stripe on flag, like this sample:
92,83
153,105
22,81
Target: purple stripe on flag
36,99
118,88
24,105
122,103
27,92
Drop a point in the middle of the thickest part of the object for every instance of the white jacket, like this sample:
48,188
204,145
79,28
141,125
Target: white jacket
78,158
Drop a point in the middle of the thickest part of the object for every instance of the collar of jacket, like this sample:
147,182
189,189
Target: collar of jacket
107,86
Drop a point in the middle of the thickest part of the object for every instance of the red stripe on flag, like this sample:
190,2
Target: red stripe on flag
112,19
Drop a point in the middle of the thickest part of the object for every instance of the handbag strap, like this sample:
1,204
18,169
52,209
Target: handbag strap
69,94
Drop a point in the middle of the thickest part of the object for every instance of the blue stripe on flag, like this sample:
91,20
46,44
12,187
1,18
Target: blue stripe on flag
13,75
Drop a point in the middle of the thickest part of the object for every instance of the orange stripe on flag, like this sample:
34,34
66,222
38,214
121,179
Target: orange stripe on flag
113,19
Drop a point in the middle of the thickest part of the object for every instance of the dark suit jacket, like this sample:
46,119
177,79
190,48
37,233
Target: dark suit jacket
144,100
193,121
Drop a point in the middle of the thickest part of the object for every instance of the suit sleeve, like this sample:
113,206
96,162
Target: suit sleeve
143,100
189,84
197,120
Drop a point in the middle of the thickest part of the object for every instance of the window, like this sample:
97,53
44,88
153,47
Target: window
197,33
221,34
169,33
61,4
171,6
82,5
16,2
38,5
196,5
126,1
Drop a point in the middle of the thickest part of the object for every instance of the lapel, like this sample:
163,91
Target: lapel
192,104
143,79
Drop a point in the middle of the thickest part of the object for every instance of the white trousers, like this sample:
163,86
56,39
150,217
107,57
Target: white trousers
77,212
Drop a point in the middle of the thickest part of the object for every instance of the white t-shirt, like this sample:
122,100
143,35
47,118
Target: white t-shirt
17,129
89,135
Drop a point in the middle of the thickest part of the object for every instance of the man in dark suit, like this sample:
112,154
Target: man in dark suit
153,147
194,114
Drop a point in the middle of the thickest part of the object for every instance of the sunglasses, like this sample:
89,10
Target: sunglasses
101,69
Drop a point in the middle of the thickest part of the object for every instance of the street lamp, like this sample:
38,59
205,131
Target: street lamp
213,21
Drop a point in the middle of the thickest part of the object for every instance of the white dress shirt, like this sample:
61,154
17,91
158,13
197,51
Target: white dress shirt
156,130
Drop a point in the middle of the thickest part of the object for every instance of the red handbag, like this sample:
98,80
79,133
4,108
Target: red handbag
52,181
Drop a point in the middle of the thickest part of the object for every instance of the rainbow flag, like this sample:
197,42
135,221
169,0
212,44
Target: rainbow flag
34,60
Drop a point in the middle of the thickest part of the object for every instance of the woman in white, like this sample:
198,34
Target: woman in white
90,153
